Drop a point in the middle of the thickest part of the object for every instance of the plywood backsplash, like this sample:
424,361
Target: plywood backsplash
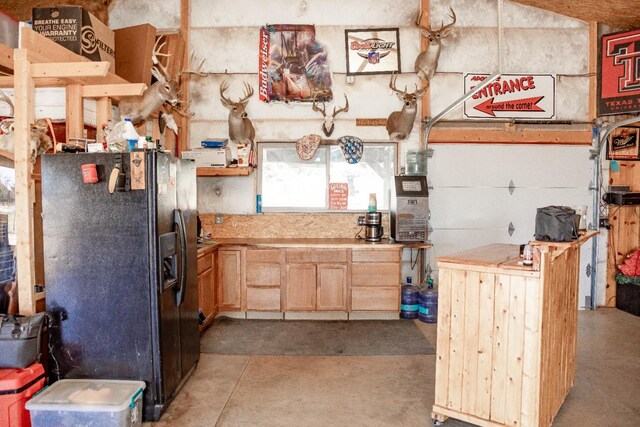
286,225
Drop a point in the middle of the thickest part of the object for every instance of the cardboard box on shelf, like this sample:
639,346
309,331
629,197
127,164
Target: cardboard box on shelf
134,47
208,157
77,30
244,154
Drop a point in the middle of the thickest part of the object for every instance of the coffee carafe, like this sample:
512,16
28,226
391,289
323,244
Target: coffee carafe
372,223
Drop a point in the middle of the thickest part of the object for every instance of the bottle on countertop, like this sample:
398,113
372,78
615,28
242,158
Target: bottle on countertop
372,202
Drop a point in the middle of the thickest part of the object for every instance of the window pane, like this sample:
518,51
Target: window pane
372,174
289,182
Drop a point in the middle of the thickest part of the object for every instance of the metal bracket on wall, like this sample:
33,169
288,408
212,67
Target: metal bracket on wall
589,270
511,229
511,187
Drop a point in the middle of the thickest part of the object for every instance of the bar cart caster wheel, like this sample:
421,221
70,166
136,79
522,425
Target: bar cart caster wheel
437,423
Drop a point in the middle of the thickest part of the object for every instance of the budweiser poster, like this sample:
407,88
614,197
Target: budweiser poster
293,65
511,96
619,82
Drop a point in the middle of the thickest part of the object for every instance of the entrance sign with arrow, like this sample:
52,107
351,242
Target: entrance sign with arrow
512,96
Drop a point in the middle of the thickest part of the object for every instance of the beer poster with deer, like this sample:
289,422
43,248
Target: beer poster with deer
511,96
293,65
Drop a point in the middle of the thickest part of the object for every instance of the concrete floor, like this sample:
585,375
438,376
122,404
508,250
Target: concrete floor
397,390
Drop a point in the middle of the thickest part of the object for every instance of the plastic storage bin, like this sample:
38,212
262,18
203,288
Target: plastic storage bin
103,403
16,387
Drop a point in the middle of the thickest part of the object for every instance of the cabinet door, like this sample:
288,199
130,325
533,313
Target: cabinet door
205,288
332,287
301,287
229,279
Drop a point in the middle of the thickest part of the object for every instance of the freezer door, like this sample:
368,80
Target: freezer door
187,204
161,180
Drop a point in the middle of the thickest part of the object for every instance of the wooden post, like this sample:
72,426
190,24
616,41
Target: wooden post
593,70
103,115
184,29
23,100
75,112
425,102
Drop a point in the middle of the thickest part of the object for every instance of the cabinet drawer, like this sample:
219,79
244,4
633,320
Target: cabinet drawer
380,274
263,255
204,262
379,298
263,299
316,255
259,274
370,255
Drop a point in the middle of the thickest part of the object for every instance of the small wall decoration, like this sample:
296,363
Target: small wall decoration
293,65
619,82
623,144
372,51
338,195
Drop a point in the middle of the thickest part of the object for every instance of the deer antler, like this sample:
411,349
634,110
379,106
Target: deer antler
248,92
5,98
392,85
223,88
315,107
442,28
341,109
157,65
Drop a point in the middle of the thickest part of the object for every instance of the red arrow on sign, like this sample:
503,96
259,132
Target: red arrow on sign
525,104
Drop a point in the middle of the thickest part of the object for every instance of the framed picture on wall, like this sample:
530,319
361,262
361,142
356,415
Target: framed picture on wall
372,51
623,144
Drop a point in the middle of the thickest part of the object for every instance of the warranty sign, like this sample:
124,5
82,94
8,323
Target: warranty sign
511,96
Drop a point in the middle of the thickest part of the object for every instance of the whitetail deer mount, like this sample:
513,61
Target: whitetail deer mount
328,124
400,123
39,140
427,61
164,92
240,127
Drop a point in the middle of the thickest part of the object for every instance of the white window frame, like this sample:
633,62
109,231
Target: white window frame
293,209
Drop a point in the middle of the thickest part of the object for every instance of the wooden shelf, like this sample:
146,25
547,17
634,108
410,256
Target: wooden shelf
244,171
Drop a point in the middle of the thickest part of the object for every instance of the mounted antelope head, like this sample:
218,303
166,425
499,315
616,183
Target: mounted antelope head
400,123
328,124
40,142
164,90
427,61
240,127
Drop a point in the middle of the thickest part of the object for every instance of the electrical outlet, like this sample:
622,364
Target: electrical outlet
219,219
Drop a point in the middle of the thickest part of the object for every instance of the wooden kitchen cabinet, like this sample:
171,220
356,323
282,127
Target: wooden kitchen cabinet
375,280
230,279
331,290
316,279
208,302
263,281
301,287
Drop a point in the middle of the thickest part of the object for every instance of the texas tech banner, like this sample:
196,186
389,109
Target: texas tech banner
619,82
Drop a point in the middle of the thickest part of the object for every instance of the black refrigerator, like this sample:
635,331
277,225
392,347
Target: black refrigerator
120,270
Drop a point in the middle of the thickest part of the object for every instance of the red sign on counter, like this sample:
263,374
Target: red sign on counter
338,196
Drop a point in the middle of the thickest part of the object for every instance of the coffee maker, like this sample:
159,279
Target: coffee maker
372,223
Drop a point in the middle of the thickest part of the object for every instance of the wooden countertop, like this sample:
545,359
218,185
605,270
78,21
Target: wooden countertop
486,256
507,256
312,243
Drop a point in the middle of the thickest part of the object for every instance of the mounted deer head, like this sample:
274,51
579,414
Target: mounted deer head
40,142
400,123
328,124
164,90
240,127
427,61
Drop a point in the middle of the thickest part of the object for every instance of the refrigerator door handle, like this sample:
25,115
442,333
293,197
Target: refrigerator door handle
179,220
